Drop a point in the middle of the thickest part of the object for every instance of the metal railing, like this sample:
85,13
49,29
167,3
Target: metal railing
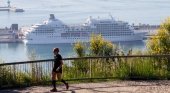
86,68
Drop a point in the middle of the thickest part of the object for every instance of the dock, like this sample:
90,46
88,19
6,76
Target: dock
10,35
4,8
7,40
13,9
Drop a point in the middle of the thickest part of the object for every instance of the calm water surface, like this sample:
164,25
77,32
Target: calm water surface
12,52
76,11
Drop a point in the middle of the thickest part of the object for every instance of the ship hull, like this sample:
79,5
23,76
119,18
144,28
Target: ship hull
54,40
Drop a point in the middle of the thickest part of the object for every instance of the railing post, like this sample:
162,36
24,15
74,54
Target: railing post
1,76
14,72
90,71
168,67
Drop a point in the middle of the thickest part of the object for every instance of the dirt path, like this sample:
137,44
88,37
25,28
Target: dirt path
103,87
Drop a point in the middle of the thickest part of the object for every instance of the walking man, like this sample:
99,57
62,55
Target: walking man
57,70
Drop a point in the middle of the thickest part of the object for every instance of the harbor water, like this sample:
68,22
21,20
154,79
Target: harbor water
151,12
15,52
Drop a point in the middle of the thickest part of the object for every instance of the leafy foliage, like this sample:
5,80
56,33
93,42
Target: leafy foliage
160,43
100,47
80,49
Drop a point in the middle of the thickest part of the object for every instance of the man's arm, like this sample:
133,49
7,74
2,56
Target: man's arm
60,65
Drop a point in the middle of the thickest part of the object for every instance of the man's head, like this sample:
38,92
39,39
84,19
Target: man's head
55,50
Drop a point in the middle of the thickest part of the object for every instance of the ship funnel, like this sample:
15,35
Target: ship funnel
52,17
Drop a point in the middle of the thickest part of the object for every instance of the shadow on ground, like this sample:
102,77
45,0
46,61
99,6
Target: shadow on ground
103,87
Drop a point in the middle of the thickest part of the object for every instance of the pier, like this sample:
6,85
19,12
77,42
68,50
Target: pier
10,35
13,9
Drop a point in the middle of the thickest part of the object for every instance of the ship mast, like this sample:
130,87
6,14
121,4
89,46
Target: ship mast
9,5
111,16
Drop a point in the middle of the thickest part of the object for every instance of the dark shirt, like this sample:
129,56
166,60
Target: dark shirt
57,60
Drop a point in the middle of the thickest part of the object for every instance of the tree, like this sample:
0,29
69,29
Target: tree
79,48
101,47
98,47
160,43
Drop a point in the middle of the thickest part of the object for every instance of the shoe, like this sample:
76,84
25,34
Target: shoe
53,90
67,86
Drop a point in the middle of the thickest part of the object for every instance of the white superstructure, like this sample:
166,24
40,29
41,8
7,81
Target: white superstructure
55,31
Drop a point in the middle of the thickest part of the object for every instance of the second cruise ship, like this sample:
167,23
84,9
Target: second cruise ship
55,31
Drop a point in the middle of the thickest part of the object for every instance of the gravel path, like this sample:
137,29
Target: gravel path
102,87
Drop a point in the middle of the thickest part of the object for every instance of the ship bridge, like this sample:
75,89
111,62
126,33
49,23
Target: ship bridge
53,22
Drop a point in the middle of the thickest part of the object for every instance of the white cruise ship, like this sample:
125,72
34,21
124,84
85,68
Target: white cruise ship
55,31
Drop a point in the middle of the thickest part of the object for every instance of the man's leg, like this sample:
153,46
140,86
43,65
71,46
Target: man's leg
54,81
59,75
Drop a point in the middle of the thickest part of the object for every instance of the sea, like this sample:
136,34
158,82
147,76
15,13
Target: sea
152,12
